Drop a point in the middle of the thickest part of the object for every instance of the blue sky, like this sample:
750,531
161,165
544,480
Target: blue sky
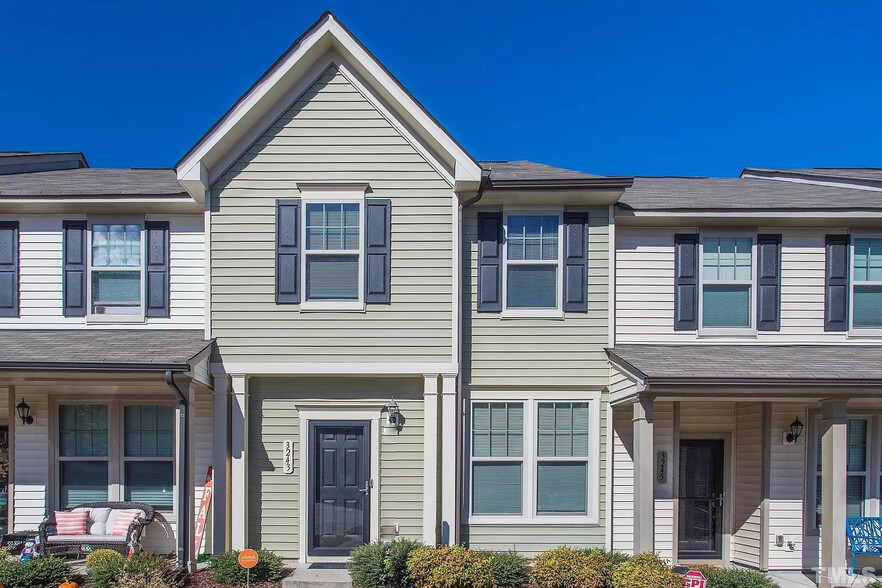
617,87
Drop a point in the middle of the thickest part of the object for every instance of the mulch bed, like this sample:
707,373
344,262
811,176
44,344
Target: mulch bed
203,579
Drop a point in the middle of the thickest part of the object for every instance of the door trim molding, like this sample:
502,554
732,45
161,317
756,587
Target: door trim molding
335,414
728,484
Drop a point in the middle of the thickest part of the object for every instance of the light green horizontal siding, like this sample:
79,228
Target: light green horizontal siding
536,538
539,352
274,497
332,134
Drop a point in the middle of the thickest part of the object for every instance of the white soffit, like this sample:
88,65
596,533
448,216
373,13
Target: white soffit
326,43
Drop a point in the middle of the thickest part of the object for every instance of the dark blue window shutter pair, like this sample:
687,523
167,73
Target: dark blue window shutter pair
686,282
378,251
489,262
74,285
158,286
836,288
768,282
9,269
575,281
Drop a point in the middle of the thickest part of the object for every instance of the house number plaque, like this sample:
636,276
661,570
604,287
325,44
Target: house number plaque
661,467
288,456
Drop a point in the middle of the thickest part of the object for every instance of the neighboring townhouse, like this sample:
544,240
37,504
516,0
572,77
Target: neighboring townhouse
536,320
104,382
746,371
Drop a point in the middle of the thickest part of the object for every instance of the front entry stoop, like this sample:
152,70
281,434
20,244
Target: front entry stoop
304,577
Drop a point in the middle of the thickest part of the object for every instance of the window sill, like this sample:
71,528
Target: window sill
533,313
340,305
537,520
104,319
732,333
864,333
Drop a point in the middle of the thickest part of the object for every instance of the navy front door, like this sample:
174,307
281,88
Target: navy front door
340,486
701,498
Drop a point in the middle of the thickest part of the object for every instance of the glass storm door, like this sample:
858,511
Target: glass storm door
701,498
339,487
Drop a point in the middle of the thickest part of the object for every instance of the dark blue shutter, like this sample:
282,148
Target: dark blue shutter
768,282
489,262
158,289
288,251
836,283
378,251
575,281
9,274
686,282
74,283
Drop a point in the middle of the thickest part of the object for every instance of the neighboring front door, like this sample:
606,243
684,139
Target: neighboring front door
339,486
701,499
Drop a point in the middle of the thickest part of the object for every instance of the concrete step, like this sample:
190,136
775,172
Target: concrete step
303,577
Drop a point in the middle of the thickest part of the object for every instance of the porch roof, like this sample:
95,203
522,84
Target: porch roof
744,364
100,349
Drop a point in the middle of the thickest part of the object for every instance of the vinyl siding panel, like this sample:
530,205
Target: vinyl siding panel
663,440
645,288
41,286
622,518
540,352
332,134
747,539
787,493
274,497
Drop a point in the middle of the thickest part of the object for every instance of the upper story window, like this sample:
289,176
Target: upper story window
333,251
867,283
533,260
116,269
727,282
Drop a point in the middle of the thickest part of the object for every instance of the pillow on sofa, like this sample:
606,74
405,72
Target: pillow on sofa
71,523
97,521
123,519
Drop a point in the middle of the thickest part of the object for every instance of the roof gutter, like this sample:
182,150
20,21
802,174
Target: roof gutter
69,366
618,183
184,506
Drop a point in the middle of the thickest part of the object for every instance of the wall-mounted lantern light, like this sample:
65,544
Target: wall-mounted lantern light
24,413
795,431
393,417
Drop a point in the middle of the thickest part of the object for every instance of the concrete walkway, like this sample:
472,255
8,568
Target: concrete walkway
304,577
800,580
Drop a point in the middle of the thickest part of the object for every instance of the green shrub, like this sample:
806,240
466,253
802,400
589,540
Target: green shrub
875,584
225,568
449,567
510,570
723,578
565,567
616,558
646,570
103,567
43,572
381,564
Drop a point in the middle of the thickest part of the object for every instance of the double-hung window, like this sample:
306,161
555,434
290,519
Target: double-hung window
533,460
115,451
116,270
533,258
727,284
867,283
332,268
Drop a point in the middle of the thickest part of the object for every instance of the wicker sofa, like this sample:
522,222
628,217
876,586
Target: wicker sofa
53,544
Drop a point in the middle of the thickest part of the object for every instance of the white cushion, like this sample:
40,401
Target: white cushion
97,523
85,538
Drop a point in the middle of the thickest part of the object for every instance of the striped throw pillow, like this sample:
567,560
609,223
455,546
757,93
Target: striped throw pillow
71,523
123,520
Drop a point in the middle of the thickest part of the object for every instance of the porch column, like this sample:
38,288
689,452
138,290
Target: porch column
430,459
220,453
644,519
449,525
834,443
239,465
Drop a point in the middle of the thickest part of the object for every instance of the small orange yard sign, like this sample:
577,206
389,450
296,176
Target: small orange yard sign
248,558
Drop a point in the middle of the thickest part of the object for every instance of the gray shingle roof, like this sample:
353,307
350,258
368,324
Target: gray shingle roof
872,174
529,170
742,194
93,182
102,349
745,362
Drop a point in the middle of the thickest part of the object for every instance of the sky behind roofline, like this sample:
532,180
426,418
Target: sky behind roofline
615,88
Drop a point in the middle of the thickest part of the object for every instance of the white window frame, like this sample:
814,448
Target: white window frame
529,494
852,330
115,318
737,331
333,195
116,458
557,311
